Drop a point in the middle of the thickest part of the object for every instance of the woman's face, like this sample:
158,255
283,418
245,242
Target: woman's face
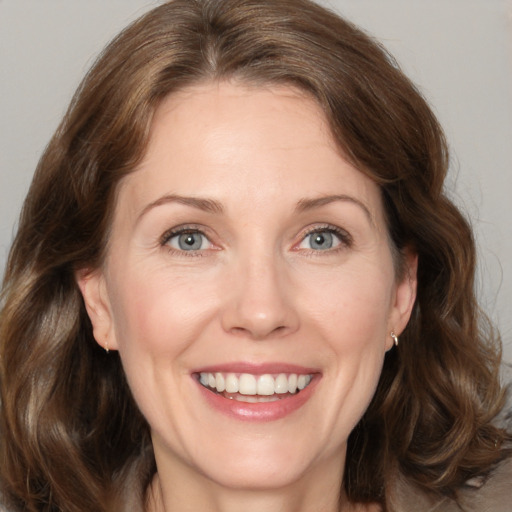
247,254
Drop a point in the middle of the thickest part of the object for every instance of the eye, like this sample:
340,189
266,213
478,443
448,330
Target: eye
324,239
187,240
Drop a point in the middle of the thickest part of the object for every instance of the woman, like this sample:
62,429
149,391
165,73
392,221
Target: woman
237,284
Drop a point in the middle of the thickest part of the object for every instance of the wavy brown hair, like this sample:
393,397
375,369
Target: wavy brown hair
72,438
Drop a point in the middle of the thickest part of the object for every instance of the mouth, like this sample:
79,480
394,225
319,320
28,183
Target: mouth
254,388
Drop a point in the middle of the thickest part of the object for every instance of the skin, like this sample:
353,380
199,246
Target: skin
256,291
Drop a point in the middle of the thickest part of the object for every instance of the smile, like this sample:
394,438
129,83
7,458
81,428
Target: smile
250,388
257,392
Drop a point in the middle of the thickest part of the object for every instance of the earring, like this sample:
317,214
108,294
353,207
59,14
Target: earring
395,338
106,347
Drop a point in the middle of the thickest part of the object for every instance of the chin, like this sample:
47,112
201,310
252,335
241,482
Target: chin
257,464
257,475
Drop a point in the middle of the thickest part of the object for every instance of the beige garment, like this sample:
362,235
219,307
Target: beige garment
495,495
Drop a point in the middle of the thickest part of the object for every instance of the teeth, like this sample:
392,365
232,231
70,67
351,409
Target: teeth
231,383
250,385
281,384
265,385
292,383
220,382
254,399
247,384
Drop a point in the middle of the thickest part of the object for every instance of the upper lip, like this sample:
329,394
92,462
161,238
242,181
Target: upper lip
257,368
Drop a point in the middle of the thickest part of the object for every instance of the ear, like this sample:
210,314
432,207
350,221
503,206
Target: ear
404,296
94,292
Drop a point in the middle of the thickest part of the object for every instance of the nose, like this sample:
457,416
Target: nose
259,302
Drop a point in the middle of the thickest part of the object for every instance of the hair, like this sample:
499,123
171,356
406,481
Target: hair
72,437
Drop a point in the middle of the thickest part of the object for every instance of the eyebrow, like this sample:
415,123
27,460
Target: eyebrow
310,204
212,206
207,205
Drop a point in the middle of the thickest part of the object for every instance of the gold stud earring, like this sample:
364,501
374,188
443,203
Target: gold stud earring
107,350
395,338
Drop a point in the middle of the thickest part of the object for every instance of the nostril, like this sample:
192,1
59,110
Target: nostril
258,334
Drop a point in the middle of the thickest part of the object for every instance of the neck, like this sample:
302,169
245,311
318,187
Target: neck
234,500
321,496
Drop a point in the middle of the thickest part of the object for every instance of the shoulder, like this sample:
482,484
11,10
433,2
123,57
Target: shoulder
492,495
495,495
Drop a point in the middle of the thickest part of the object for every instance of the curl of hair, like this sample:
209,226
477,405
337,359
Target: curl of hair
72,437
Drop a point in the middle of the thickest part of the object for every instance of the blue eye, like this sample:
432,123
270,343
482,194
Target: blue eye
321,240
189,241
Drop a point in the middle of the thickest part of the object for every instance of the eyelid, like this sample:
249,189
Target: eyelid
181,230
344,236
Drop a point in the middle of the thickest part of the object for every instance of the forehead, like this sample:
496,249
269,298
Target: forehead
252,144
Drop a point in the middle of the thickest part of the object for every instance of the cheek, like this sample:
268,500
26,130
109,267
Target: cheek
159,313
157,318
353,306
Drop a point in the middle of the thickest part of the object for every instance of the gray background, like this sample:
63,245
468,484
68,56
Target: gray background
459,52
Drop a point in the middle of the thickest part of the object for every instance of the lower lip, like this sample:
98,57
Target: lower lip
261,411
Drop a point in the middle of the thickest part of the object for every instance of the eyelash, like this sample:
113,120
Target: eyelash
182,230
346,240
343,236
